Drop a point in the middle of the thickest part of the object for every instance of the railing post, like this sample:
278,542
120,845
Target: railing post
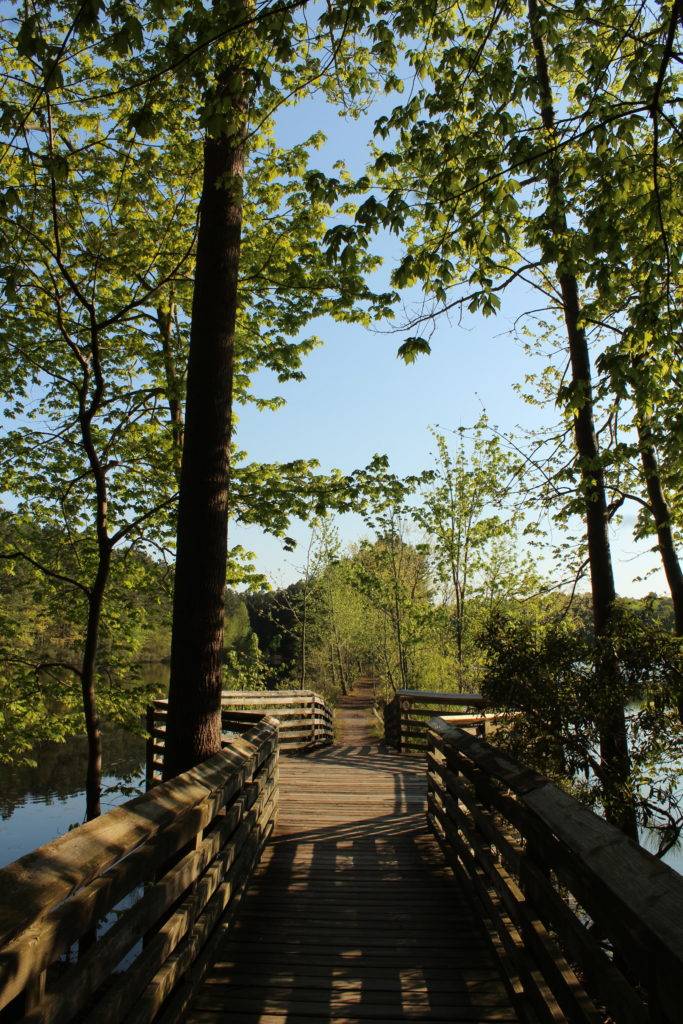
403,716
314,730
388,715
392,728
431,750
149,749
34,992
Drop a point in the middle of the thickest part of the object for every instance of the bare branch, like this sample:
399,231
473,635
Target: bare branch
50,573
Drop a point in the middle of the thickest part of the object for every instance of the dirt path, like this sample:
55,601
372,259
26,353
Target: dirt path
354,718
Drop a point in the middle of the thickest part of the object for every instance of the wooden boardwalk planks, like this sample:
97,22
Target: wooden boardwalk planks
352,915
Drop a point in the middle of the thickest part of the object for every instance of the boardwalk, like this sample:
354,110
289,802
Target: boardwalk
351,915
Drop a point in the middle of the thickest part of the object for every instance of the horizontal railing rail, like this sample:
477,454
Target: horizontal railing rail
305,720
407,715
117,920
588,924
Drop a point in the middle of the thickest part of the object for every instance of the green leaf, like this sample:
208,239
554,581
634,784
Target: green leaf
29,41
53,77
58,166
143,122
412,348
89,13
9,199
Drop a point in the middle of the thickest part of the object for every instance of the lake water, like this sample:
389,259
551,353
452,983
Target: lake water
38,804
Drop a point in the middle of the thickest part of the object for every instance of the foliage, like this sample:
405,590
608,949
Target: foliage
404,604
40,637
103,117
543,673
487,194
104,108
272,621
245,667
468,516
236,627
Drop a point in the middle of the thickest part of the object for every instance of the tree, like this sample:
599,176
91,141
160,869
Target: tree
543,675
490,185
635,218
194,725
461,513
331,619
103,123
85,460
393,576
239,91
42,636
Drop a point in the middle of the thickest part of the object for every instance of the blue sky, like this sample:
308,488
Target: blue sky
358,398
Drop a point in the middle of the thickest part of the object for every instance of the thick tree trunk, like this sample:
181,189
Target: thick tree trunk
194,713
611,714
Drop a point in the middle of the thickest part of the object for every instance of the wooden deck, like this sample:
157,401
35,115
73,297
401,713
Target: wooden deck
352,915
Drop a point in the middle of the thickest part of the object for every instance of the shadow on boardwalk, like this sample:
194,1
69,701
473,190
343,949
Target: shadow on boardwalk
352,915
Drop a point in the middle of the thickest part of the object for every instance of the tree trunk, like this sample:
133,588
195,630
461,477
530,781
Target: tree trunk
304,623
86,416
662,517
88,673
93,779
165,317
333,669
611,716
397,618
342,671
194,711
343,674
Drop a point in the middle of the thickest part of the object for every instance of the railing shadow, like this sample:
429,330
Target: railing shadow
358,920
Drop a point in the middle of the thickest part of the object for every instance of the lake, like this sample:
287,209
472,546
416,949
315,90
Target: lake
39,804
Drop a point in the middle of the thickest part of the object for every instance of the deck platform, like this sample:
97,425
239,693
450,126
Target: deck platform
352,914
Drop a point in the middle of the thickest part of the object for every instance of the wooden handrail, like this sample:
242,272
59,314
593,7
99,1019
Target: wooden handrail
589,923
142,889
306,721
406,716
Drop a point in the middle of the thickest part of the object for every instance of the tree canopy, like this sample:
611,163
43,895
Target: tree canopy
172,256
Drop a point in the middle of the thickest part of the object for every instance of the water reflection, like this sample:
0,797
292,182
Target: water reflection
38,804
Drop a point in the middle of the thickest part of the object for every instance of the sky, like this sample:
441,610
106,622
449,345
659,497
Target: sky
359,399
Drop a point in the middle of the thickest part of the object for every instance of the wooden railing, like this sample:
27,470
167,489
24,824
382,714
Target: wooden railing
407,715
305,720
589,926
117,920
